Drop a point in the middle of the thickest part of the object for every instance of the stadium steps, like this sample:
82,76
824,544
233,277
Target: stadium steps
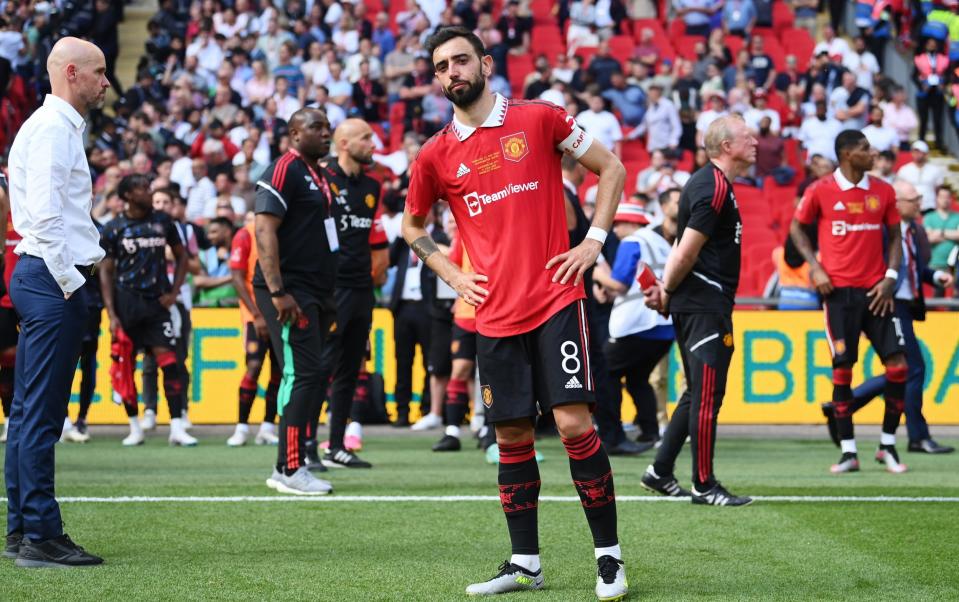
133,34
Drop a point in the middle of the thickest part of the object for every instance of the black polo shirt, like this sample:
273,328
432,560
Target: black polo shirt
287,190
356,208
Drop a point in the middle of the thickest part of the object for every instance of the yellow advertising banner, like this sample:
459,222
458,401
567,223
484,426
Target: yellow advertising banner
779,374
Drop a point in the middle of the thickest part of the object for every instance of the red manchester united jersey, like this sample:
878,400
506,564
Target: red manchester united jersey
851,218
504,185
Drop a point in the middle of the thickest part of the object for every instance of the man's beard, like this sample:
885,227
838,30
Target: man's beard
467,95
362,159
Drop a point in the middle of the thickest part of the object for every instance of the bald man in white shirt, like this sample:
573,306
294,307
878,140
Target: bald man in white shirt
50,201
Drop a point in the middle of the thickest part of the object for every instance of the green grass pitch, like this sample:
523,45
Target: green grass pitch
430,550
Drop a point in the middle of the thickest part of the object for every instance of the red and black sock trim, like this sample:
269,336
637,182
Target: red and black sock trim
583,446
517,453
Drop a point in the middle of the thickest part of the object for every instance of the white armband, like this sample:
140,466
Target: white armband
577,143
892,274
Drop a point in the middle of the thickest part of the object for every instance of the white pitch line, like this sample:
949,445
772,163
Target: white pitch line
479,498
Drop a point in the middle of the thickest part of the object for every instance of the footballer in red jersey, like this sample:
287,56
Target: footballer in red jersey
858,227
498,166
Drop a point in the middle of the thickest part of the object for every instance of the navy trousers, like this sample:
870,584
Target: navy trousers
916,424
51,332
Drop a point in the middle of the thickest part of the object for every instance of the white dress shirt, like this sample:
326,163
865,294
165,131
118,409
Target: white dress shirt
925,179
51,193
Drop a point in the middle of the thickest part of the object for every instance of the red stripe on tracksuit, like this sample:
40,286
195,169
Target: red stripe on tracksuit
590,386
279,172
719,194
705,423
582,447
292,447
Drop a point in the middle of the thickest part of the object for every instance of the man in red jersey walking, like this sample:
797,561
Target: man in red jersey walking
498,165
856,276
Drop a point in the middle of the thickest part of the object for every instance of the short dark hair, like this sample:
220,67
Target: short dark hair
888,155
446,34
226,223
848,139
130,183
664,195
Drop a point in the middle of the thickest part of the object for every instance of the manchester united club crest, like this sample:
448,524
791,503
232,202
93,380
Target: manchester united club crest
487,396
514,146
872,203
370,201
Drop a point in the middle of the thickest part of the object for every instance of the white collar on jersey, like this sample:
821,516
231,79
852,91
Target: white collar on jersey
846,185
495,118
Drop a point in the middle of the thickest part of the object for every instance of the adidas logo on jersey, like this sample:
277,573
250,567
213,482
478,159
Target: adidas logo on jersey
462,171
573,383
839,206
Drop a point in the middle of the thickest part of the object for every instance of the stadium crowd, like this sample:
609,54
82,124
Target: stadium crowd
219,81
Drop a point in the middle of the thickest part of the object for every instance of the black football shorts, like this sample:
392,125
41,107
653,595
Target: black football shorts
847,315
531,373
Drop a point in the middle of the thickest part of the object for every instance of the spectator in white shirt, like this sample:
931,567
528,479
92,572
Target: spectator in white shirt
862,63
601,124
286,104
660,123
753,115
202,192
208,49
832,44
818,133
717,108
922,174
850,103
879,136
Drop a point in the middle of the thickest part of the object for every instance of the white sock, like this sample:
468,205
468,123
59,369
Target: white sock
176,425
354,429
887,439
848,446
650,470
242,428
613,551
266,427
530,562
453,431
135,426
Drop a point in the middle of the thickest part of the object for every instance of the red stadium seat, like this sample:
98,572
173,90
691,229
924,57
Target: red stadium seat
783,17
677,29
686,46
542,12
519,67
902,159
635,150
621,47
735,44
798,43
547,33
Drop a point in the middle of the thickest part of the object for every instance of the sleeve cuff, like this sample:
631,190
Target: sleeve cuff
71,281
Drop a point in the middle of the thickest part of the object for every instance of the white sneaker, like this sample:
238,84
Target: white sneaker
274,481
302,482
611,579
240,435
133,439
267,435
75,436
3,435
149,420
428,422
511,578
185,420
179,436
67,427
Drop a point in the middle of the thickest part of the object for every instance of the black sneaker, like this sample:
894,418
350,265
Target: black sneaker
402,421
13,545
447,444
487,437
718,496
829,411
628,448
340,458
667,485
59,552
313,461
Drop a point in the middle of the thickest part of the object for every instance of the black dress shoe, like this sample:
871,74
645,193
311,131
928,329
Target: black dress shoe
829,411
59,552
448,443
13,545
929,446
629,448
